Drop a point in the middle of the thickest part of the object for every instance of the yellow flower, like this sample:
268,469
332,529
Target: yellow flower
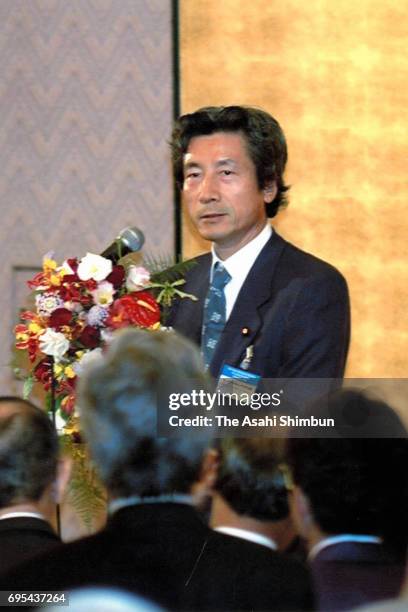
67,331
69,372
58,370
35,328
20,335
55,280
52,273
49,264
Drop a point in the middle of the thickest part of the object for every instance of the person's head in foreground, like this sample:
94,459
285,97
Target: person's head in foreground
229,163
249,490
32,478
356,483
120,397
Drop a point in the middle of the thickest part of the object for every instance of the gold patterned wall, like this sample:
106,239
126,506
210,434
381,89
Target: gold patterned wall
335,75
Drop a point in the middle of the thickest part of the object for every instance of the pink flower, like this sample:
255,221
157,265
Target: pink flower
137,278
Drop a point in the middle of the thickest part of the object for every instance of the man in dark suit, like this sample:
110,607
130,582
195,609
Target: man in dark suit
155,544
349,501
285,313
250,498
31,481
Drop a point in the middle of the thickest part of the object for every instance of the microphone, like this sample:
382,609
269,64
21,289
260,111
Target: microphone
129,240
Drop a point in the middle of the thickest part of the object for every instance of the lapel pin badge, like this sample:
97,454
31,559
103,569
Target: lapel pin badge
245,331
249,353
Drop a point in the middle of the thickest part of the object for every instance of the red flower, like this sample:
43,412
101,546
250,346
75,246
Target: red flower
59,318
72,278
73,264
38,280
27,315
90,337
139,308
68,404
90,284
67,389
117,276
43,373
26,337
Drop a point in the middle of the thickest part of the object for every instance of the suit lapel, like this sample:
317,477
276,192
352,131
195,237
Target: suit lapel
255,291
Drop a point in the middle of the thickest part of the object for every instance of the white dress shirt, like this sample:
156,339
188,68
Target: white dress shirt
10,515
338,539
239,265
251,536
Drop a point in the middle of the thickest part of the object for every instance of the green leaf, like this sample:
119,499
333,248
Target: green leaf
28,386
166,269
85,492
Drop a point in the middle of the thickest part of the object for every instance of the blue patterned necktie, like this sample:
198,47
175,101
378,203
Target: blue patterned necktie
214,315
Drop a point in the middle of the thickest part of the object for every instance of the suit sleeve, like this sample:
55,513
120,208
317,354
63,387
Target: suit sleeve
317,329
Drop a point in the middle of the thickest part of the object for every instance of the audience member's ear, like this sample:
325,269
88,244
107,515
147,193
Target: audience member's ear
301,512
208,474
64,469
210,467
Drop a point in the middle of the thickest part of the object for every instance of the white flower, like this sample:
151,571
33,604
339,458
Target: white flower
103,294
87,358
54,343
137,278
60,423
95,267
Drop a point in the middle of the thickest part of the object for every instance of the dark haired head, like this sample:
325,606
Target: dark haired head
263,136
28,451
355,484
249,477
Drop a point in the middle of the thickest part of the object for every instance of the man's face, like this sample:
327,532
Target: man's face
221,192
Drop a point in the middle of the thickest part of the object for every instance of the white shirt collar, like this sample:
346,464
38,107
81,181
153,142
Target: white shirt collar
136,500
239,265
10,515
344,537
246,255
251,536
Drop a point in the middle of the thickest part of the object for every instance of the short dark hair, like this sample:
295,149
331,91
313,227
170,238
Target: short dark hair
28,452
119,400
263,135
250,479
355,484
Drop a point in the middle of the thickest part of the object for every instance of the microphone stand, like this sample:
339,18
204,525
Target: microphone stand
53,416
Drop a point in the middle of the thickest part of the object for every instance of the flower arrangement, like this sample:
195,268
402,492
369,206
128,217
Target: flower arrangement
78,306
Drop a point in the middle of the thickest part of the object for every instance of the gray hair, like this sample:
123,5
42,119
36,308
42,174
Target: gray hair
120,398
